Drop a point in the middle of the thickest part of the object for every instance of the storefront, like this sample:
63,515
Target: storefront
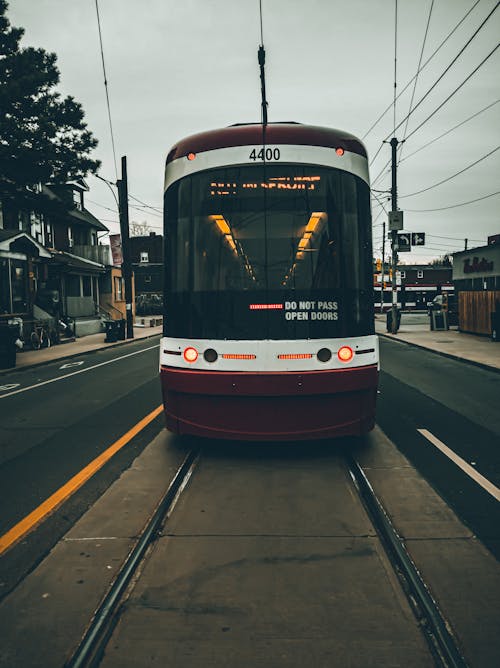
476,277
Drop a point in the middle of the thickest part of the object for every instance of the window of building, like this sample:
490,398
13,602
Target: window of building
19,286
77,199
118,288
49,235
73,288
37,228
87,286
420,273
70,236
144,256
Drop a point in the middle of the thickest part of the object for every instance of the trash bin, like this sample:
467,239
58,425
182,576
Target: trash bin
8,336
111,327
495,326
120,329
389,320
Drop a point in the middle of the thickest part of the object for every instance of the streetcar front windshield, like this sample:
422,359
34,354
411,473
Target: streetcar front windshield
268,252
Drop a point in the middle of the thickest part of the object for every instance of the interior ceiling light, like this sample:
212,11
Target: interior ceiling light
221,224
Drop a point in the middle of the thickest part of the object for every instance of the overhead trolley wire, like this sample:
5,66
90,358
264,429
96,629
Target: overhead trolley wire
492,104
416,78
446,70
106,88
148,206
423,66
435,185
454,92
454,206
439,107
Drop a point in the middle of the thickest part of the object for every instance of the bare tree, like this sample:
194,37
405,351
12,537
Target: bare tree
139,229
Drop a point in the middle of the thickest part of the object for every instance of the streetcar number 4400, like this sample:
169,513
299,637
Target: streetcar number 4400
265,154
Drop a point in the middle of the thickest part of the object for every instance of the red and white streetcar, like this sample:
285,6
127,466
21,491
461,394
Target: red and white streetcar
268,322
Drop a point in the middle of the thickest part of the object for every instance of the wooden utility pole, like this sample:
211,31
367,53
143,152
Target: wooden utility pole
382,278
124,230
394,237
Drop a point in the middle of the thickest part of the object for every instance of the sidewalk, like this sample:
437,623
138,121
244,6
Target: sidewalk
79,346
470,348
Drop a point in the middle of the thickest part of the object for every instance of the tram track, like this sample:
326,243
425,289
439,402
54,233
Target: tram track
442,644
90,649
435,627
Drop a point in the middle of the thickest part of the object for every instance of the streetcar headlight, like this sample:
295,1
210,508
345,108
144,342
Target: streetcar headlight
191,156
190,355
345,354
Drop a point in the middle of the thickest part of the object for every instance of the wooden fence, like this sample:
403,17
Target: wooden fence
475,309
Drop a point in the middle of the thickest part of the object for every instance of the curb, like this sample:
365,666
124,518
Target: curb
26,367
481,365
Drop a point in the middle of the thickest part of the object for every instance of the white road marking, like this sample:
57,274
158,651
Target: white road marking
70,364
75,373
9,387
477,477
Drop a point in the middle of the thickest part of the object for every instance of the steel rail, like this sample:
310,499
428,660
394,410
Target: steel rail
436,627
92,642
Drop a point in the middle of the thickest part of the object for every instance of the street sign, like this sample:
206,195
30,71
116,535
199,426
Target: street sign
404,242
395,220
418,238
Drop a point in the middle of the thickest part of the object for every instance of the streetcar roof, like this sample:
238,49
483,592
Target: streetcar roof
275,133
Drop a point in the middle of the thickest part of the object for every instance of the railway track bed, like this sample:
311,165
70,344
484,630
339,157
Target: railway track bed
268,558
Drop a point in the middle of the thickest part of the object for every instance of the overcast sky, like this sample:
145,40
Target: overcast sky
175,68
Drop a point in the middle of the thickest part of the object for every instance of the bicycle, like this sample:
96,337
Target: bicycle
40,337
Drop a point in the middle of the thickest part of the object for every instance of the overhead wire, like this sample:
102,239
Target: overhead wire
453,92
446,70
106,88
492,104
423,67
416,78
435,185
454,206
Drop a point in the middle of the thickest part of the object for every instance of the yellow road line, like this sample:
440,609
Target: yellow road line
63,493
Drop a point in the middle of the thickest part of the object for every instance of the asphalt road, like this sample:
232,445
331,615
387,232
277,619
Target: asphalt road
459,405
58,418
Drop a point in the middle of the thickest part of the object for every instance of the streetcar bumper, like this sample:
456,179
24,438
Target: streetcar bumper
270,406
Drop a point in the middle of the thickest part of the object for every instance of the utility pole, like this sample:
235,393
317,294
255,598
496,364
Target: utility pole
382,278
394,237
126,264
466,240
